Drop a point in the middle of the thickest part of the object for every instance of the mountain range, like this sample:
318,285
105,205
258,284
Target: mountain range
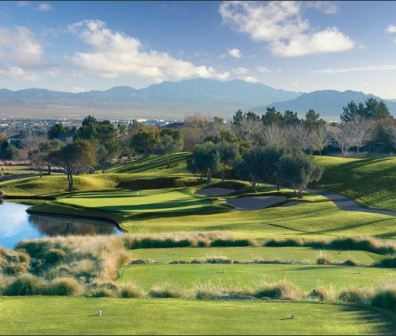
173,100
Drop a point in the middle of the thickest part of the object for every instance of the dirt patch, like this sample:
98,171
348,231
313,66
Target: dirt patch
215,191
255,202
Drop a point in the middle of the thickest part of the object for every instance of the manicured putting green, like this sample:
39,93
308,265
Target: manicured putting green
171,200
303,254
71,316
306,277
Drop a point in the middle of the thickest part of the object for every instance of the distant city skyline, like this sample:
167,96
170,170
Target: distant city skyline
299,46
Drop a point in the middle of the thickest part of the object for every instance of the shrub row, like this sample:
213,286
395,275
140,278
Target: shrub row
362,244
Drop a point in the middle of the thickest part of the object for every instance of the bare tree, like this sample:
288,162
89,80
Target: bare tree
301,136
359,131
249,130
274,135
342,137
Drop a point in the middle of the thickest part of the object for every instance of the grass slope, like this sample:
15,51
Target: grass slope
369,181
155,164
77,316
306,277
304,254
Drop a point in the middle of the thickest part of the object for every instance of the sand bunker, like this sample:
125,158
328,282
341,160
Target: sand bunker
215,191
255,202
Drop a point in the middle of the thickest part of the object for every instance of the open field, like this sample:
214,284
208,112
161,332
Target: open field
295,254
306,277
369,181
43,315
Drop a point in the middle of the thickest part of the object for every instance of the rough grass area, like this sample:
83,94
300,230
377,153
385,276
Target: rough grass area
73,316
369,181
293,254
306,277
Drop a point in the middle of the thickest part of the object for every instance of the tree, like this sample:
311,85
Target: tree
76,157
371,109
274,135
61,132
39,157
170,141
298,170
205,160
359,131
104,137
272,116
259,164
228,154
145,141
342,137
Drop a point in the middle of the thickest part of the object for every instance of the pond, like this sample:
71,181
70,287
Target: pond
16,224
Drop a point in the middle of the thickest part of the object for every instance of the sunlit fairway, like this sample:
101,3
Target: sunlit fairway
295,254
306,277
49,315
369,181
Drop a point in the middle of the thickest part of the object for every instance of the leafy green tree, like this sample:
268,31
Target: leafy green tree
259,164
298,170
228,152
74,158
170,141
371,109
61,132
145,141
105,138
205,160
272,116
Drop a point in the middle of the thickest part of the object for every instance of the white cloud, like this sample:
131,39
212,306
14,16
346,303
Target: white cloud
281,25
20,53
45,7
236,53
391,29
251,79
326,7
263,69
113,54
240,71
330,71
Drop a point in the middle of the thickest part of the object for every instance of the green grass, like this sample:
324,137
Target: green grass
303,254
126,205
71,316
155,164
369,181
306,277
315,217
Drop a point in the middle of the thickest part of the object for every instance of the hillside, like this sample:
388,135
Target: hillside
328,103
170,100
369,181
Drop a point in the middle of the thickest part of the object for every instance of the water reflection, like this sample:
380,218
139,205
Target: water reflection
16,224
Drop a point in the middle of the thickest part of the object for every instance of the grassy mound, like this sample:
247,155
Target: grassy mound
369,181
119,316
155,164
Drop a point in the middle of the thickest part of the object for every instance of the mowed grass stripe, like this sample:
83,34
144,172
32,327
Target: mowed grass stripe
78,316
296,254
306,277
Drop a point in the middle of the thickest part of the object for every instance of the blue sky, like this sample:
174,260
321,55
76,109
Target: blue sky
301,46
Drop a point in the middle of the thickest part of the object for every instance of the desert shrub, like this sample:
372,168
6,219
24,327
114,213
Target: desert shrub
323,260
101,292
387,263
232,242
25,285
64,286
53,256
219,260
353,295
13,262
165,291
350,262
130,291
385,299
323,294
280,291
290,242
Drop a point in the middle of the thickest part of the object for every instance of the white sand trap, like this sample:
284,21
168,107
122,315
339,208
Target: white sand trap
215,191
255,202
